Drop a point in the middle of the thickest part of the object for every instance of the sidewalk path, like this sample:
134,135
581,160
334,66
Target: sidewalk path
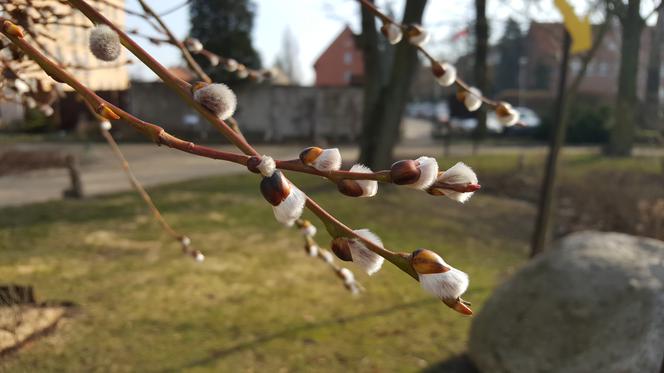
153,165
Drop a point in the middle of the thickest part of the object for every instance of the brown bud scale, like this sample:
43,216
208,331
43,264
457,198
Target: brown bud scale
437,69
275,188
309,155
405,172
252,164
341,248
350,188
427,262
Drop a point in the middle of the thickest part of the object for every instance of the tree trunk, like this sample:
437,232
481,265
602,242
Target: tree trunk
381,132
374,67
481,48
652,111
546,203
624,118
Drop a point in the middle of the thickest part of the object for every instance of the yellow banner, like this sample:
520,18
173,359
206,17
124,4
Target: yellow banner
578,28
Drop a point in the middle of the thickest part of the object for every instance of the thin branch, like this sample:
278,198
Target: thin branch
185,52
335,227
459,82
175,8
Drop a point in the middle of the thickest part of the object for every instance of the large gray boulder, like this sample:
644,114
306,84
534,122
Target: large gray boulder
594,303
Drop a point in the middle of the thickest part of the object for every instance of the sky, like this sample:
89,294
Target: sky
315,23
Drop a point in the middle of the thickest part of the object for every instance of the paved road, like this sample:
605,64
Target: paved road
153,165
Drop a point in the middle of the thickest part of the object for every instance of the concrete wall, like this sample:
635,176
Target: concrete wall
265,112
11,115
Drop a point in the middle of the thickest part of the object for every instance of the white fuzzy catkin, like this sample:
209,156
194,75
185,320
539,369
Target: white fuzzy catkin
328,257
214,60
47,110
105,43
447,285
217,98
511,118
231,65
266,166
309,231
328,160
420,39
394,33
458,174
312,250
105,125
185,241
449,77
21,87
291,208
30,102
369,187
428,173
472,99
369,261
347,275
242,73
193,45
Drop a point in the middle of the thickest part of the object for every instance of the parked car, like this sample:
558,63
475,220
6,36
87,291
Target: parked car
466,125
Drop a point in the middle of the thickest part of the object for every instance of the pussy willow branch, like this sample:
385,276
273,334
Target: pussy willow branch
183,89
137,185
459,82
310,241
132,177
160,136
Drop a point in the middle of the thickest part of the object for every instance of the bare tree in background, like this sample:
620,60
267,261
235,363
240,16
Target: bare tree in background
481,50
621,139
287,60
652,110
385,102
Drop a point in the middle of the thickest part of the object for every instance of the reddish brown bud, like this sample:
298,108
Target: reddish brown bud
13,29
426,262
459,305
437,69
350,188
414,30
384,29
198,85
405,172
252,164
503,109
275,188
341,248
107,113
309,155
435,191
268,74
461,94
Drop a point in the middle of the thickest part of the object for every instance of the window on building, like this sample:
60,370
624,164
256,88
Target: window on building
575,66
348,76
348,58
603,69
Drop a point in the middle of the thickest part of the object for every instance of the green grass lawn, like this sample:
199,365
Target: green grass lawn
257,303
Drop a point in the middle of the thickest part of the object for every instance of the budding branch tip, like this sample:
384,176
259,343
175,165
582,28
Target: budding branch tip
13,29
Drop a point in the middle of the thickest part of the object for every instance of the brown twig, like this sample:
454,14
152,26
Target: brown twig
171,37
